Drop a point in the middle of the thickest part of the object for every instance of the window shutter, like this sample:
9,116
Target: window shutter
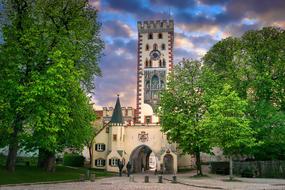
110,162
96,163
103,147
103,162
96,147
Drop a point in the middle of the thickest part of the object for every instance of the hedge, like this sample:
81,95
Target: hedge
73,160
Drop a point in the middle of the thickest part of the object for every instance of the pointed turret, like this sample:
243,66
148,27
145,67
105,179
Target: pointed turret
117,117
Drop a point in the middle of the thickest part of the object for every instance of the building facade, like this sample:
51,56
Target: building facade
134,135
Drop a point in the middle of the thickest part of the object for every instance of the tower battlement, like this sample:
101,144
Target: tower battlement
155,26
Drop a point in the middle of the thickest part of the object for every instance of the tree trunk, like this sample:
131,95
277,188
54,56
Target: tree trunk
13,147
41,158
46,160
198,163
90,155
231,168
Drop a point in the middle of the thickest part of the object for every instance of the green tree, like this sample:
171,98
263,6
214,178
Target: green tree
37,32
228,123
181,110
254,66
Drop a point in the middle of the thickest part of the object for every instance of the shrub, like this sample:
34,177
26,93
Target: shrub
73,160
247,173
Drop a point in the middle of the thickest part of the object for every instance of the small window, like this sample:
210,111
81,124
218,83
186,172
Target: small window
107,129
150,36
150,63
146,47
114,137
163,46
163,63
100,162
155,46
147,119
159,35
160,63
146,63
113,162
100,147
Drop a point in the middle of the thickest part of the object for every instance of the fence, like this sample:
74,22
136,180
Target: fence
264,169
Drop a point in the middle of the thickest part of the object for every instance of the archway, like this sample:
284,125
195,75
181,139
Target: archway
168,164
142,159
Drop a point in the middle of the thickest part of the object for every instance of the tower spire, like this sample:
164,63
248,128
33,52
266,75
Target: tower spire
117,116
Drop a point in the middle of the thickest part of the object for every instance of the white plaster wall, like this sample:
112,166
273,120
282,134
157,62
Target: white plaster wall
102,137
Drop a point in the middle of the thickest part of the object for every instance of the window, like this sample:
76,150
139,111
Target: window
163,46
100,162
150,36
114,137
159,35
150,63
100,147
107,129
146,47
163,63
155,46
160,63
113,162
146,63
147,119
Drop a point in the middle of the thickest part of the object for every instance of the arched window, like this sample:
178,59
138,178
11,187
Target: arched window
155,82
163,46
160,63
150,36
163,63
150,63
146,63
159,35
147,47
147,85
155,46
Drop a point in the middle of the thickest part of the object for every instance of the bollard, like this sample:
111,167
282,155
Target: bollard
160,179
81,177
174,179
146,179
92,177
131,179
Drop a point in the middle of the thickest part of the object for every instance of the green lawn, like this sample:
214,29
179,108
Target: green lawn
31,174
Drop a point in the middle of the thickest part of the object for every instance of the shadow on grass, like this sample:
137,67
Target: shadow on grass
32,174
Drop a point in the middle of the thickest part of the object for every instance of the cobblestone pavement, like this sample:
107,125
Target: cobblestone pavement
184,182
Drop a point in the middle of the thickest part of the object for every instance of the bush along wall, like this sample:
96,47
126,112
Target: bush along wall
73,160
264,169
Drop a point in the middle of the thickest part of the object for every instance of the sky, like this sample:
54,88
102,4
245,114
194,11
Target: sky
199,24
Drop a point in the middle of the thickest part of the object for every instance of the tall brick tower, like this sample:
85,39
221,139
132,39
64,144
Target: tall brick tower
155,61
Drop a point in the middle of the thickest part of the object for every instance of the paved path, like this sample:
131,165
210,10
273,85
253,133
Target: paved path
185,182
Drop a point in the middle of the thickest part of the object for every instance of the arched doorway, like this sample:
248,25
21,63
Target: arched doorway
142,159
168,164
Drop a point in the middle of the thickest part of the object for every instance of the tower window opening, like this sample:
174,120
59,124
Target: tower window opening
160,64
147,47
163,63
150,63
146,63
159,35
163,46
150,36
155,46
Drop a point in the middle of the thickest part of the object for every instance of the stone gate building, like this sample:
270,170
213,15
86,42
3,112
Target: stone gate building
134,134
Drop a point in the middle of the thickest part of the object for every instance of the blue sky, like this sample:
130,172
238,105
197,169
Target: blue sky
198,25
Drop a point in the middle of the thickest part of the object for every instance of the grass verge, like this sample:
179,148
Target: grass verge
32,174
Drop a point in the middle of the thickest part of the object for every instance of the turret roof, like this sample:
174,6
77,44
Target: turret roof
117,117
